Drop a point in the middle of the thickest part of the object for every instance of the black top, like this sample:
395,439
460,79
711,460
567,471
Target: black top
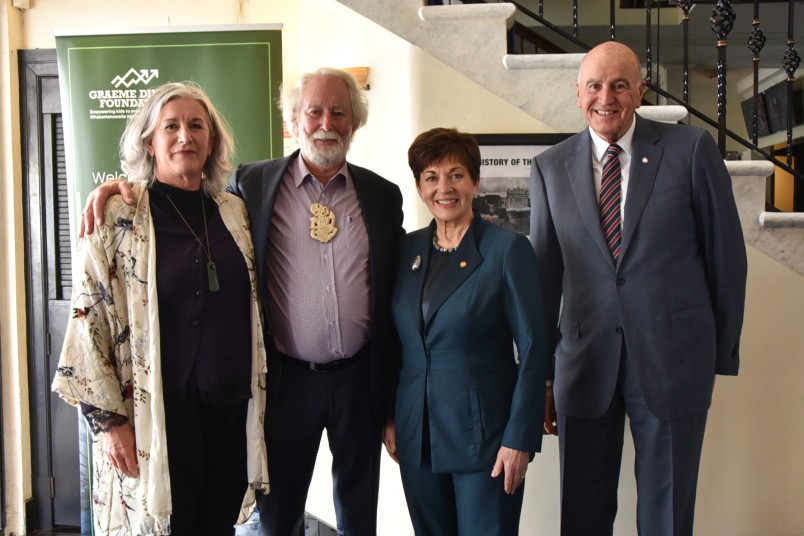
439,261
205,336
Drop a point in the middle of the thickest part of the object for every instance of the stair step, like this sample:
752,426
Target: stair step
749,168
782,219
464,12
666,113
543,61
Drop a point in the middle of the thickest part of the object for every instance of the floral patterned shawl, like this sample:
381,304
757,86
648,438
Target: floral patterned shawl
111,360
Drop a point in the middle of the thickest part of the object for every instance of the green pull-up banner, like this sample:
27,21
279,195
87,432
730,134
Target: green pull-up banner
105,77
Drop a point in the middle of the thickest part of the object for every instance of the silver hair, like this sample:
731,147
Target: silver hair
291,97
138,164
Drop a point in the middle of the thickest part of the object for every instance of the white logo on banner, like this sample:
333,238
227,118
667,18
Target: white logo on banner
122,102
134,76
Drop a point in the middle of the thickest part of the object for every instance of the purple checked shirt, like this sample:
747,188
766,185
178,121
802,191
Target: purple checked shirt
319,301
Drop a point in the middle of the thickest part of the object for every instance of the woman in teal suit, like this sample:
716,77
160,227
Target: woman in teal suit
468,414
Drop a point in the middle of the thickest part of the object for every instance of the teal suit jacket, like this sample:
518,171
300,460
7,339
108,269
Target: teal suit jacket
458,364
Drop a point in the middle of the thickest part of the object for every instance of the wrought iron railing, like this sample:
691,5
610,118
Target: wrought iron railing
524,38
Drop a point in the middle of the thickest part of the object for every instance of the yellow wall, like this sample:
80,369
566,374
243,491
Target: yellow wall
752,477
784,183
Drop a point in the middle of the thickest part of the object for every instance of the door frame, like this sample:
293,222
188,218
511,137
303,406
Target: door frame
36,65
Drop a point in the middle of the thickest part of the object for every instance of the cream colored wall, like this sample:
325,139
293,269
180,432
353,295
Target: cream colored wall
752,480
752,473
16,430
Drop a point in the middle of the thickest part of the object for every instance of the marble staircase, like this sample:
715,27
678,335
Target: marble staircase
471,39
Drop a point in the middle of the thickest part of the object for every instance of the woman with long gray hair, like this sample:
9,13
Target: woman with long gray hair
163,351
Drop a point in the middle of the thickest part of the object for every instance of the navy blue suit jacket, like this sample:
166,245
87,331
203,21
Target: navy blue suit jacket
459,361
676,297
381,203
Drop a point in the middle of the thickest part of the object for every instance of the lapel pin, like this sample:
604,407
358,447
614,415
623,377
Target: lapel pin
417,263
644,159
462,264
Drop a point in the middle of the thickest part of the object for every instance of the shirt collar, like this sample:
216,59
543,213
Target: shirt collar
302,171
599,145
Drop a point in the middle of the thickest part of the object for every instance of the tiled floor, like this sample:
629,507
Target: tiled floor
312,527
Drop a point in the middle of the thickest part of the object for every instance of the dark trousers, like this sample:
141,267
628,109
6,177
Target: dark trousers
668,455
208,465
460,504
307,403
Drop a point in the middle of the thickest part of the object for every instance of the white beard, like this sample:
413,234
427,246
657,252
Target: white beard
324,157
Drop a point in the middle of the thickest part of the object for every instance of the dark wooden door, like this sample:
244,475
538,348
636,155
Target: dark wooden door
55,457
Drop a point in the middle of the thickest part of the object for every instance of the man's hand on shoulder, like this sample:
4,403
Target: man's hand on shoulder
96,201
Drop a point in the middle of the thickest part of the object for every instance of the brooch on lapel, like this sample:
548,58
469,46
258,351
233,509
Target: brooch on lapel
644,159
417,263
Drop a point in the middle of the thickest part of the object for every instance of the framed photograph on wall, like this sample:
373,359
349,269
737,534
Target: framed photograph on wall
504,194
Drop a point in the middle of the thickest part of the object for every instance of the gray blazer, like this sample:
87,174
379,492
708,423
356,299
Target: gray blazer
676,298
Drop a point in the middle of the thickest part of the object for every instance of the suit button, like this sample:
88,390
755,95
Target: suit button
619,329
620,281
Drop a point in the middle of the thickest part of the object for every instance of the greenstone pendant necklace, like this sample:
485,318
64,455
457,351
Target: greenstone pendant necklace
212,269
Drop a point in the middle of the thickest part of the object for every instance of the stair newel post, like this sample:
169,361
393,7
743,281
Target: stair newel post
790,63
722,20
685,6
756,41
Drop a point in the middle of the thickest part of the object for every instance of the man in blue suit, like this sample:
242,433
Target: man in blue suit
643,268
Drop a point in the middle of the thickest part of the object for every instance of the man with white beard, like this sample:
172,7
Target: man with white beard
324,234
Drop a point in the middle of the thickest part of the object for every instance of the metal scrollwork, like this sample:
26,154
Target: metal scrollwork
756,40
686,6
791,60
722,19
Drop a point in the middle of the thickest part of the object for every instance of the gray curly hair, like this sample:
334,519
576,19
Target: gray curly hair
138,164
290,98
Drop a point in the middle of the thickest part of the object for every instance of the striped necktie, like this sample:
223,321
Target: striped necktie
610,200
